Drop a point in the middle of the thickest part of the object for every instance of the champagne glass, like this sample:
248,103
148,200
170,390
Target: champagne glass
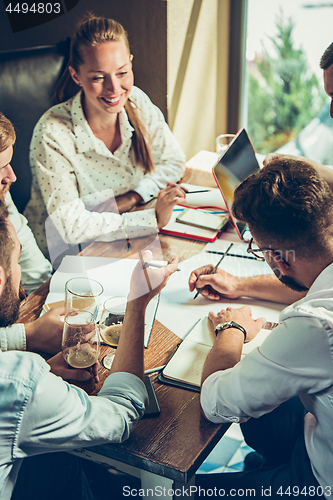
80,341
83,294
112,319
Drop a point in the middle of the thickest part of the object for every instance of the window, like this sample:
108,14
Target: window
286,103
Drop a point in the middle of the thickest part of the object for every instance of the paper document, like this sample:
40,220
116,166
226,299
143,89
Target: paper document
212,198
238,249
204,160
179,312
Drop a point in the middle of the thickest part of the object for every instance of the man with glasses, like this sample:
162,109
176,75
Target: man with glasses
281,393
264,287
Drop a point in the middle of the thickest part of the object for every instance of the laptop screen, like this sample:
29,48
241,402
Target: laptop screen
236,164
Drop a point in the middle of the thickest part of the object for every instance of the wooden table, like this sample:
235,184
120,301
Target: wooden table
164,451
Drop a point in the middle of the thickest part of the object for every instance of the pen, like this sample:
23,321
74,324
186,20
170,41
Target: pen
199,191
214,269
187,192
128,246
156,369
152,264
234,255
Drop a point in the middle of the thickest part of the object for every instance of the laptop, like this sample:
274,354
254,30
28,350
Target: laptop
234,165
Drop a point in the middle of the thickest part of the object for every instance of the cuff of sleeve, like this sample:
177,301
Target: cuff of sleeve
126,385
141,223
12,338
147,188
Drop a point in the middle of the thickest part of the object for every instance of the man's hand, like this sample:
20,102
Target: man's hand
274,156
217,285
45,333
60,367
167,198
147,282
242,316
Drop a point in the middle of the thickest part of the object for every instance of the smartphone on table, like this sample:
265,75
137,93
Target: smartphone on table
153,408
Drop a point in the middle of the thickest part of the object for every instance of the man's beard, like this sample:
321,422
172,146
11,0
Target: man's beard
291,283
5,191
9,304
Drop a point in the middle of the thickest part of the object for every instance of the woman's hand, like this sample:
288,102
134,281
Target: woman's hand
167,198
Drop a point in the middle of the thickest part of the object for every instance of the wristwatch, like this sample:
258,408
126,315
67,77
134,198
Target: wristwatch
230,324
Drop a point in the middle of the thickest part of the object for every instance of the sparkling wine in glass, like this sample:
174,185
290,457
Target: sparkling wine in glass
80,341
83,294
112,318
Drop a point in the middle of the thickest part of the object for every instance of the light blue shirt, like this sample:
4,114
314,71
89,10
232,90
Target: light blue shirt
35,268
40,413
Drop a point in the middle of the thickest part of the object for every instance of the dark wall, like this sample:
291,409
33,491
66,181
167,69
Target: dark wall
144,20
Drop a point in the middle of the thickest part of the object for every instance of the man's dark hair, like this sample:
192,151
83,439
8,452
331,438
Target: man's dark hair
6,242
327,57
287,206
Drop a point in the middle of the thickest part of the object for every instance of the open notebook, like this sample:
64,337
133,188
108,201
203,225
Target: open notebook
203,197
185,367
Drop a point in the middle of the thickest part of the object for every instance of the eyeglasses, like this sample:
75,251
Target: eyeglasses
255,251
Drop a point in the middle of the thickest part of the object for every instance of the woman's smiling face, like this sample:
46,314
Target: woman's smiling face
105,76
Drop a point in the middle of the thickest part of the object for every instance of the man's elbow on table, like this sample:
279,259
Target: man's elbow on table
129,396
208,407
212,410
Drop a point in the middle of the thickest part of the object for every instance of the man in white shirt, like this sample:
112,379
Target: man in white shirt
40,414
289,210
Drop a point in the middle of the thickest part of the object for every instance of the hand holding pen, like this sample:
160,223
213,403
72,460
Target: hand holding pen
186,192
213,282
167,198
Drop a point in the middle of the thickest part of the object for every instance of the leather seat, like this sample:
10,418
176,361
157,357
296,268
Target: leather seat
27,82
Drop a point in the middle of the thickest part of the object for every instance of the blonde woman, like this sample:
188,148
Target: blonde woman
107,140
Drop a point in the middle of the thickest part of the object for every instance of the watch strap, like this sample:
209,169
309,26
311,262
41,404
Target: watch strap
230,324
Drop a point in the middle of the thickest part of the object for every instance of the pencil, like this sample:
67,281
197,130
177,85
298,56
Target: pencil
214,269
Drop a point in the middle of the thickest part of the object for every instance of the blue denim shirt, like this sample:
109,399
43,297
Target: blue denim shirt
40,413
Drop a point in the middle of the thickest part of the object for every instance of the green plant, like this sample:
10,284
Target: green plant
283,94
